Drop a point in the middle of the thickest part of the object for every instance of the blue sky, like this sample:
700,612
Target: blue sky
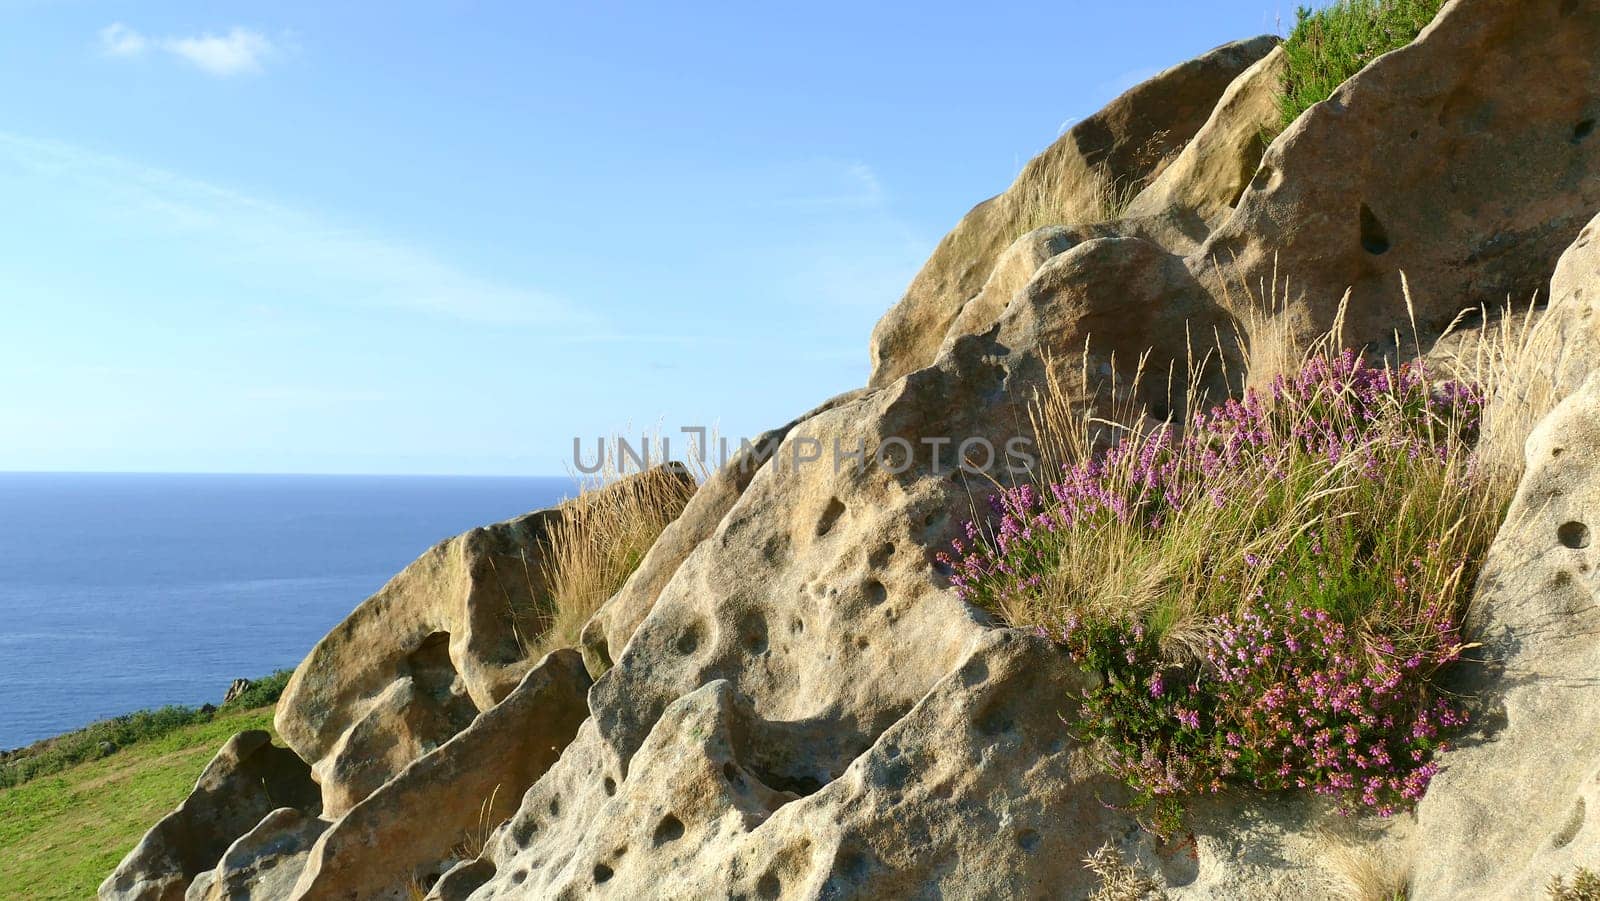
447,237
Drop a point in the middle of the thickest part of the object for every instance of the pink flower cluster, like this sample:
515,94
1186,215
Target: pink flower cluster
1303,702
1297,689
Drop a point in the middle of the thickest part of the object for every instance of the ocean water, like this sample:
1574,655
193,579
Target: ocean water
125,591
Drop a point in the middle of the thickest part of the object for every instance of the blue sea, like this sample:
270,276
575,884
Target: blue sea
119,592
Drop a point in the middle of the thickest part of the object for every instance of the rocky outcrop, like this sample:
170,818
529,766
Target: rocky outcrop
1074,182
1520,804
1455,160
248,779
430,814
264,863
607,633
1573,318
974,793
791,702
1204,182
1466,160
416,662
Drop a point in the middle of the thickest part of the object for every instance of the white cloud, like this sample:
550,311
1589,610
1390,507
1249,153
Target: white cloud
330,263
240,51
118,39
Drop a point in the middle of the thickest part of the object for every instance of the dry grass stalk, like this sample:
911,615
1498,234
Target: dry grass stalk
1120,880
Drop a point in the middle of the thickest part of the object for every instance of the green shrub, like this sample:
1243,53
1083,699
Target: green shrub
107,737
1330,45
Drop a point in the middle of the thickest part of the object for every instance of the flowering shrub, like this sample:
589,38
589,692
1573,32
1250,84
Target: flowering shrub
1269,598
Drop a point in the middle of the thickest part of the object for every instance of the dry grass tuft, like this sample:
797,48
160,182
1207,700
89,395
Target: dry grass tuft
1120,880
1363,873
597,543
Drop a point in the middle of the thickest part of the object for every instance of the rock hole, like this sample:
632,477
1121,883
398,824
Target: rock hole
601,873
611,786
688,640
1574,535
753,632
670,829
1582,131
519,877
522,833
768,886
730,773
1374,239
1028,839
879,557
796,625
555,807
875,592
1569,829
830,516
1414,134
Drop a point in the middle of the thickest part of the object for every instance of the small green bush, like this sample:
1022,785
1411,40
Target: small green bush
1585,886
107,737
1330,45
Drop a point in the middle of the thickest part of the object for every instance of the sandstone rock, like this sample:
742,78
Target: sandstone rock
1466,160
1118,149
1574,311
783,675
1199,189
1519,803
422,817
975,793
264,863
1012,272
416,662
605,635
249,778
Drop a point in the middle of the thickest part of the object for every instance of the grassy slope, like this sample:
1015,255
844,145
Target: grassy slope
61,834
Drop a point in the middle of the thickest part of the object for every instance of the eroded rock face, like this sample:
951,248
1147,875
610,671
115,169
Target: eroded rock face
976,792
1466,160
424,817
1574,313
248,779
1518,804
416,662
607,633
1204,182
1118,149
770,728
264,863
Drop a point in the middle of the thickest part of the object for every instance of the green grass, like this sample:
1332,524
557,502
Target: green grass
108,737
62,833
1330,45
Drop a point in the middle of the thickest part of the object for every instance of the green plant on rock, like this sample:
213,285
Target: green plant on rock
1329,45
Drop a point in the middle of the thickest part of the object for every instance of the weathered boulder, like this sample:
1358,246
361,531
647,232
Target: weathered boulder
1204,182
1012,272
1466,159
975,792
264,863
425,815
1519,804
608,631
1574,312
248,779
783,676
1115,151
416,662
